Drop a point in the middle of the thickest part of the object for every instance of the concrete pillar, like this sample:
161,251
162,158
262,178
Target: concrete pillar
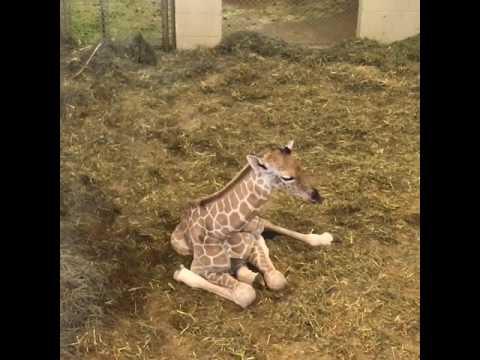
388,20
198,23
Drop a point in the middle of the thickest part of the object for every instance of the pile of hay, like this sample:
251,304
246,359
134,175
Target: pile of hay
166,134
82,291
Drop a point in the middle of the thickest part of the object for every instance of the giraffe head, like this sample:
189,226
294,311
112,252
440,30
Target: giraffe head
281,170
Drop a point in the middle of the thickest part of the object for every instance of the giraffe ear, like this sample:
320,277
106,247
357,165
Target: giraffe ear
256,164
287,149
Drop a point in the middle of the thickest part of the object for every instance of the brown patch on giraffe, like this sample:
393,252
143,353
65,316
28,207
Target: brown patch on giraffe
251,227
252,199
198,250
239,250
202,211
226,230
244,209
203,261
213,250
235,239
222,219
211,240
209,222
219,277
250,216
196,232
235,220
221,260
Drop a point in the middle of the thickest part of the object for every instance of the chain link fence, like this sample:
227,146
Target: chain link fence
306,22
86,22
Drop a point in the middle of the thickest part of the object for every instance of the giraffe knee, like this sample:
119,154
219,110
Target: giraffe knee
179,244
244,295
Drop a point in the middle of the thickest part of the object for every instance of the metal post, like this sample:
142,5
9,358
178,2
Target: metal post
62,95
164,10
104,19
65,17
168,26
173,24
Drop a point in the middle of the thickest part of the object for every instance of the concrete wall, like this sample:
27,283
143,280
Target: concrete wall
388,20
198,23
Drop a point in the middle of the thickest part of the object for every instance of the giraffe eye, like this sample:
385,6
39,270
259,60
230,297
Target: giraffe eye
262,166
287,178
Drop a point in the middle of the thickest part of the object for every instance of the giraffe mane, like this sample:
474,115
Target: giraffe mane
236,179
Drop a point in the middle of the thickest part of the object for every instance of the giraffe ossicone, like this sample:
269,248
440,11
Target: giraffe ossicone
223,231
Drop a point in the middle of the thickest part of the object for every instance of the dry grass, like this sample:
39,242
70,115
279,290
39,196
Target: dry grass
81,289
139,142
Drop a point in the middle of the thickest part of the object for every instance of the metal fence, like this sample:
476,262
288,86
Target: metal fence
307,22
86,22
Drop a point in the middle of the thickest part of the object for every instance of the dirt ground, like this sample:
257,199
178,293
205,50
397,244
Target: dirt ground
138,142
316,24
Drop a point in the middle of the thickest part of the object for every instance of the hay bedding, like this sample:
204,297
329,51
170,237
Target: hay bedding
178,131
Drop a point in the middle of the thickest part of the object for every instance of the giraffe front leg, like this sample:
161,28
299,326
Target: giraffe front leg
260,257
239,246
241,271
244,274
324,239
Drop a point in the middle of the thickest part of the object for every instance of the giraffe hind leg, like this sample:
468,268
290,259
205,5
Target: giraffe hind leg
210,271
221,284
260,258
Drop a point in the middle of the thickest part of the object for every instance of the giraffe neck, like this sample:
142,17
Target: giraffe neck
240,204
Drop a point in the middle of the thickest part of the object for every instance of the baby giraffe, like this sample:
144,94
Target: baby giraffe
223,231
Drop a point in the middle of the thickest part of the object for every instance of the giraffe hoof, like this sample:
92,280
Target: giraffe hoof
244,295
275,280
316,240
